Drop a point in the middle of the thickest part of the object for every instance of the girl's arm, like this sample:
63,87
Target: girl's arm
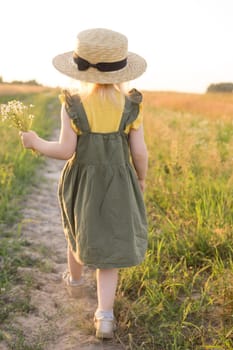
139,154
62,149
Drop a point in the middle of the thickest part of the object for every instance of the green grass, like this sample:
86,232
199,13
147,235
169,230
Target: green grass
18,172
181,297
18,166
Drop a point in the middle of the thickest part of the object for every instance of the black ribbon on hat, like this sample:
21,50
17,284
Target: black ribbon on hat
83,64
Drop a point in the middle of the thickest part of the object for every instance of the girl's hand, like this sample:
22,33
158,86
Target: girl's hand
28,139
142,184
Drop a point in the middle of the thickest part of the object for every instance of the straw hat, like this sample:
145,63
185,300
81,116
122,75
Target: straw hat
100,56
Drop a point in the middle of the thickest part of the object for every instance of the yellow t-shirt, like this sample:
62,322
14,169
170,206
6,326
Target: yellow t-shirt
105,115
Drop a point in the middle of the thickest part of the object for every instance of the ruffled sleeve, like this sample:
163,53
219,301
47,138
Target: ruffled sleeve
136,124
135,97
71,102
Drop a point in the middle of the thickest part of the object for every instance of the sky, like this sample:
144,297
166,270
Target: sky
187,43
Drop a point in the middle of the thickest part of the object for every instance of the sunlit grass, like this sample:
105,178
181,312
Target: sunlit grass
181,297
18,171
17,166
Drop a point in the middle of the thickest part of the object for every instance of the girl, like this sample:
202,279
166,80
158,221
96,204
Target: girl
101,186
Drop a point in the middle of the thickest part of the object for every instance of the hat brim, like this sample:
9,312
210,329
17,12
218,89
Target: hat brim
136,66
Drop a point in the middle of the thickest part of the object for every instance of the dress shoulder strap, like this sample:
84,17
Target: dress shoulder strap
131,108
76,111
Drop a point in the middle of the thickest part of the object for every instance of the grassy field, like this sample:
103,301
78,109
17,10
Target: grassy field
181,297
17,165
17,174
21,89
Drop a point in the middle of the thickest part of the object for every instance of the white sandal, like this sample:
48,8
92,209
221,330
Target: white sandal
105,327
75,288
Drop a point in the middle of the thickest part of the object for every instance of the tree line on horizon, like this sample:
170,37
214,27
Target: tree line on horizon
19,82
218,87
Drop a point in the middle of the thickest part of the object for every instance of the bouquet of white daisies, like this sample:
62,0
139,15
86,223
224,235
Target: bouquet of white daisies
16,114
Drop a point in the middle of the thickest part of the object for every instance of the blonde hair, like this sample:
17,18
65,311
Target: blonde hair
104,91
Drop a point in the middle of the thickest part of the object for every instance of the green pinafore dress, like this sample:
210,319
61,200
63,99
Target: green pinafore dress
102,206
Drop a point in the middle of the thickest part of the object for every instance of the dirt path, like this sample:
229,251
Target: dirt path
56,321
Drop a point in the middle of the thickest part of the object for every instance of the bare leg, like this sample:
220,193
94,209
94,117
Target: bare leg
74,267
106,288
